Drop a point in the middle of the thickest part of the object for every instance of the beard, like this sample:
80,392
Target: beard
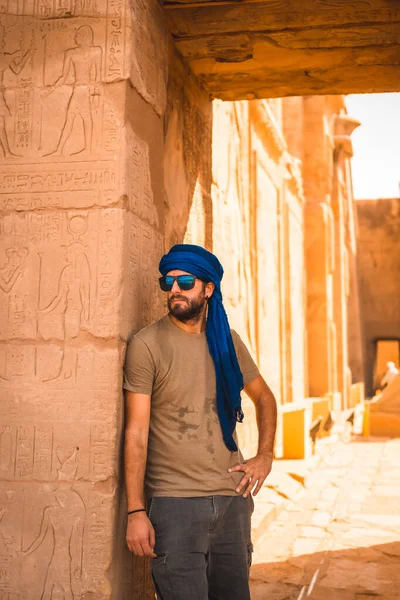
191,309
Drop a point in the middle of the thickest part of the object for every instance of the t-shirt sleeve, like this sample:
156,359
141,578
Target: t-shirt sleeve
247,365
139,369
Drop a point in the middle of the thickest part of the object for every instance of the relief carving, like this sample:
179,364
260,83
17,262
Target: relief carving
69,308
12,268
61,274
15,62
60,107
6,448
64,518
84,62
73,293
116,44
54,294
140,193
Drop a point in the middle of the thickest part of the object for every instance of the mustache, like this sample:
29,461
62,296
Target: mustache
178,297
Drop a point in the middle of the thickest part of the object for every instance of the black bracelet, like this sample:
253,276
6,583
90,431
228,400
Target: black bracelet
137,510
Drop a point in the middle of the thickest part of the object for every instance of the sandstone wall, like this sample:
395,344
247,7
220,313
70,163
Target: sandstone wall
379,267
318,132
81,229
187,158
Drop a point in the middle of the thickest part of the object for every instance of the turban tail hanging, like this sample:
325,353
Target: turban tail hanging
205,265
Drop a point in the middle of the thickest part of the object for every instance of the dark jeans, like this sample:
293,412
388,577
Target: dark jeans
203,547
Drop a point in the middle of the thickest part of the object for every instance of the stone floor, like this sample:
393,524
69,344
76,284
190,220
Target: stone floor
340,540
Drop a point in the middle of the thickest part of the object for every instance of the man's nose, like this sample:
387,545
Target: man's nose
175,287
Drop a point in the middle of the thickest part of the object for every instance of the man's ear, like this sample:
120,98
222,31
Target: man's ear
210,287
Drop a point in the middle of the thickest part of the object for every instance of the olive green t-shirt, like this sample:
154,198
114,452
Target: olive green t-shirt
186,456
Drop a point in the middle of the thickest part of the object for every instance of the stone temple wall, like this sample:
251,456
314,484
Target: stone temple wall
318,130
187,158
379,269
81,230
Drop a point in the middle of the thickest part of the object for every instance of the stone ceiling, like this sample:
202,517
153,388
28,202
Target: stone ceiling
245,49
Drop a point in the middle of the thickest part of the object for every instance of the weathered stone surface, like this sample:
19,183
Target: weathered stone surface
81,216
187,158
379,268
329,240
149,56
252,49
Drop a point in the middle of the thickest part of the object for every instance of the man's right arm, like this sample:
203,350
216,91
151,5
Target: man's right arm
140,535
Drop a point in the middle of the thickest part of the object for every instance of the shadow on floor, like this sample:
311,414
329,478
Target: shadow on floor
362,573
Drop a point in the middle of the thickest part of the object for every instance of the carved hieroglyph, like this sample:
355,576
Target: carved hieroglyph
57,383
79,240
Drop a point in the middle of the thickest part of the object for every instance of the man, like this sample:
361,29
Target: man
183,377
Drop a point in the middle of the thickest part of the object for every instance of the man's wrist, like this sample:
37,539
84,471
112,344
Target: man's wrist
139,505
136,511
265,453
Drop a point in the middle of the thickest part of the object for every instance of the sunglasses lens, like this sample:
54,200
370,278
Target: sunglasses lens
166,283
186,282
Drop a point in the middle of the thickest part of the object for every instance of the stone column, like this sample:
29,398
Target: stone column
319,246
319,299
342,129
81,198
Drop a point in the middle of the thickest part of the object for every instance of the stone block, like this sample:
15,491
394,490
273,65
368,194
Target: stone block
366,421
296,423
320,409
383,424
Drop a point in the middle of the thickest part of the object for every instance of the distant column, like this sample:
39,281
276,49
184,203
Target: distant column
319,246
342,204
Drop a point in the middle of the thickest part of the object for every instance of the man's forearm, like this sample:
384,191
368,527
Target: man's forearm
266,415
135,465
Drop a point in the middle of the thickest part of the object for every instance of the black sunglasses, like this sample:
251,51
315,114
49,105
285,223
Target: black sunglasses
185,282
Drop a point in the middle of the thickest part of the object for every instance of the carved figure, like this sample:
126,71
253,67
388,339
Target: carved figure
73,302
6,445
73,295
15,61
13,268
84,62
65,519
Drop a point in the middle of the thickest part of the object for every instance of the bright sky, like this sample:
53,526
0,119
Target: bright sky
376,144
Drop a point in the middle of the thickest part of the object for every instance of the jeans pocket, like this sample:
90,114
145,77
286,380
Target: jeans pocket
162,578
161,560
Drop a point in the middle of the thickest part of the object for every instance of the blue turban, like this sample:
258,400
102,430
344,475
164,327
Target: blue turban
206,266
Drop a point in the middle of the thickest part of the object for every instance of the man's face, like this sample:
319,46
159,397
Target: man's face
186,305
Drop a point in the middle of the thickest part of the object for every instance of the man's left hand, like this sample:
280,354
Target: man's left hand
255,471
